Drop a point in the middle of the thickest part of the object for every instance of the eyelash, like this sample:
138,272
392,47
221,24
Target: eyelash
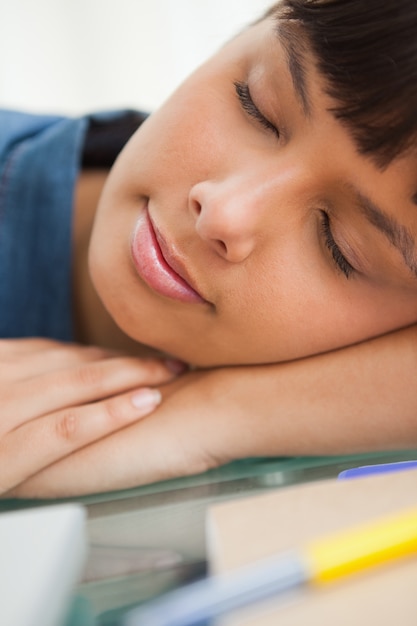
341,262
245,98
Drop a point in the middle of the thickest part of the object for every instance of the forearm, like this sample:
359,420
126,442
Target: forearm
359,398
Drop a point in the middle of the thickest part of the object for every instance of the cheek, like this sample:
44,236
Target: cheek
288,312
183,142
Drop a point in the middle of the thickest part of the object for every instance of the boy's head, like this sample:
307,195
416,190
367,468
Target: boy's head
267,211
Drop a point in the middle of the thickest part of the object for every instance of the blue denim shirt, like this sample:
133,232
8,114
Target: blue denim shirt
40,158
39,163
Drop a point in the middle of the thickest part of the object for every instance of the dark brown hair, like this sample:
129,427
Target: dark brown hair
366,50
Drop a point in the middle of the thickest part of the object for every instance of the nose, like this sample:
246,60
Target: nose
227,216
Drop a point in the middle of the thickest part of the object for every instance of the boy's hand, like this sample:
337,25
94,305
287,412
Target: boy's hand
56,398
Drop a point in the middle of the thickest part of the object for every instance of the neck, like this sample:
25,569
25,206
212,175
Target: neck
93,325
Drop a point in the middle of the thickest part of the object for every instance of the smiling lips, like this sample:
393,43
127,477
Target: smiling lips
157,265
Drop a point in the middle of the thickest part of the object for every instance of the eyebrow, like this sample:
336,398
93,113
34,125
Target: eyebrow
397,234
295,63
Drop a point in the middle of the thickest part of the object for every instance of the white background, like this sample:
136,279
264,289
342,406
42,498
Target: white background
75,56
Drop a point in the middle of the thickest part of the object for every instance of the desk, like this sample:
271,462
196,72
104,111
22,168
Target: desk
149,540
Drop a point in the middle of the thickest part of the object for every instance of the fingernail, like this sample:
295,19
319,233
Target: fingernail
176,366
146,398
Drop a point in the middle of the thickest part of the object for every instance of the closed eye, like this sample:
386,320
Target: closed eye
248,105
340,260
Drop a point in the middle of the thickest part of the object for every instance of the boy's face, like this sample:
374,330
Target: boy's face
258,198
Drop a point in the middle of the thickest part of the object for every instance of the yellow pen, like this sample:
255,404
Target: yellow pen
359,548
319,562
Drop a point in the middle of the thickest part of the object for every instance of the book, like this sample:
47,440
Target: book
244,531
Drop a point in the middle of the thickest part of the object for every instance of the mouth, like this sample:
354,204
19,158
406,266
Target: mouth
158,265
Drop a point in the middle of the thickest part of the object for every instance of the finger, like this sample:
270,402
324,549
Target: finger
54,436
25,345
172,442
49,359
79,385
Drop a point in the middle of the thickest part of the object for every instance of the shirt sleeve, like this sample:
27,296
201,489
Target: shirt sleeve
39,163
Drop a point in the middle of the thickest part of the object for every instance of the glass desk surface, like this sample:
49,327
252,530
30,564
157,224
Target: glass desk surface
146,541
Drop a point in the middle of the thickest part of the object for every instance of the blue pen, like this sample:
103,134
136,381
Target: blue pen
317,563
382,468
